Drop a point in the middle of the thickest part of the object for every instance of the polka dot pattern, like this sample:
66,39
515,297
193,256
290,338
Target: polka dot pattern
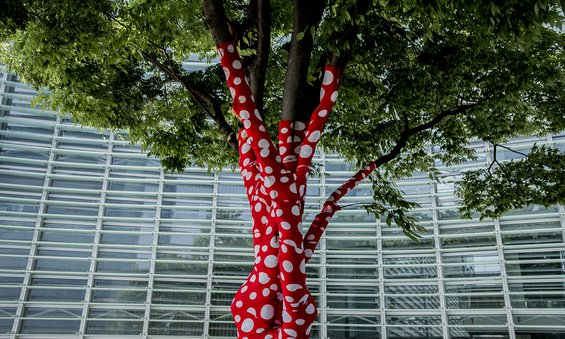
274,301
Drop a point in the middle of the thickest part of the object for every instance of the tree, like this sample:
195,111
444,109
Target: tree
419,73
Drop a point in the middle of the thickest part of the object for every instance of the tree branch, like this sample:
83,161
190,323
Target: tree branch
201,97
258,69
215,18
307,14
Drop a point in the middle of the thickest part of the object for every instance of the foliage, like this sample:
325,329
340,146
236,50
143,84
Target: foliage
538,178
498,64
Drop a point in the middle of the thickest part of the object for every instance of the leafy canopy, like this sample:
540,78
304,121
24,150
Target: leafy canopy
492,70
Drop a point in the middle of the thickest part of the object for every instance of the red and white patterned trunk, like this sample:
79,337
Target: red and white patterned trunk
274,301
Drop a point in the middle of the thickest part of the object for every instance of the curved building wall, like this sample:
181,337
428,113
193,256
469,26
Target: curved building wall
96,241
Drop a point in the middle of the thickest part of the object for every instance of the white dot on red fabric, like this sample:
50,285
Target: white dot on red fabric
226,72
293,287
236,64
268,169
278,158
258,115
290,332
266,292
271,261
308,253
237,80
322,113
286,317
282,150
292,188
221,52
257,207
285,225
251,310
328,78
289,298
244,114
253,296
301,190
309,329
231,48
264,152
244,289
267,312
303,266
295,210
263,143
247,325
274,194
263,277
314,136
334,96
254,277
310,309
232,92
262,128
274,287
242,99
300,322
306,151
287,266
268,336
284,249
268,230
265,248
239,303
275,243
322,93
269,180
279,212
237,318
284,130
284,179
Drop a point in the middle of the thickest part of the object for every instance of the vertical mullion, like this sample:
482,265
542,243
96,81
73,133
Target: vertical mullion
35,238
152,262
322,287
380,267
211,249
502,263
96,242
439,263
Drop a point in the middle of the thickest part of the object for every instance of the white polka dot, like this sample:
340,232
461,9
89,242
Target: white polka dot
334,96
230,48
274,194
284,179
266,292
284,130
237,318
258,115
286,317
232,92
262,128
267,312
257,207
293,287
285,225
303,266
244,114
227,72
236,64
300,322
287,266
269,180
265,152
263,143
310,309
253,296
309,329
284,248
322,93
271,261
275,243
278,158
292,188
289,298
251,310
306,151
274,287
239,303
265,248
254,277
237,80
290,332
282,150
241,99
328,78
279,212
295,210
244,289
314,136
322,113
263,278
268,230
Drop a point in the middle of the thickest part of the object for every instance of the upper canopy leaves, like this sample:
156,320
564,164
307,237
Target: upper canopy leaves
118,64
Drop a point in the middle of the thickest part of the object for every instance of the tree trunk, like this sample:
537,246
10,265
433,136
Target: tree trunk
274,301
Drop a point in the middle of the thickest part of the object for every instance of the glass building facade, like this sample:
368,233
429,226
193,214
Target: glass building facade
96,241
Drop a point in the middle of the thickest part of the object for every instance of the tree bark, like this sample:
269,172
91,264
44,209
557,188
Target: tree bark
307,15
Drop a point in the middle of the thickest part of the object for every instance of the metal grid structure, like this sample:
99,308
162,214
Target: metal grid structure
96,241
